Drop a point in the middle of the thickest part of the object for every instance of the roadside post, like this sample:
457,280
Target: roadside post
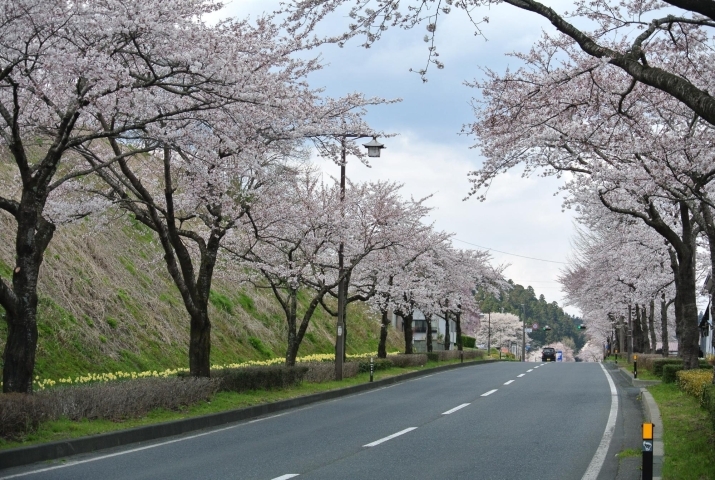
372,368
635,366
461,356
647,468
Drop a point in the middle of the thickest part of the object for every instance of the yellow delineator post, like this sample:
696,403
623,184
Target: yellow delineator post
647,468
635,366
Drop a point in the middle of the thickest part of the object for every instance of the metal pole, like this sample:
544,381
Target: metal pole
489,335
340,338
523,333
647,462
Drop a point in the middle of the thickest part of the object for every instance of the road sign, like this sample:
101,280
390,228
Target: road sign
559,356
528,330
535,326
504,349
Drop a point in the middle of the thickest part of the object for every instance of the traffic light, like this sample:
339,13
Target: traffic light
546,328
581,327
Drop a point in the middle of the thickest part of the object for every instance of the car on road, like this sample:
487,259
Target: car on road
548,354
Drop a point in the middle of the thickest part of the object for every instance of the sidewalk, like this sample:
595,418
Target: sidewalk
651,414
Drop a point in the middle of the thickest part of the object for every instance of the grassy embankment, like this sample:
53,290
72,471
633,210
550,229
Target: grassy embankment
107,304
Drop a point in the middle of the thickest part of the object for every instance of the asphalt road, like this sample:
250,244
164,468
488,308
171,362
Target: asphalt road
498,421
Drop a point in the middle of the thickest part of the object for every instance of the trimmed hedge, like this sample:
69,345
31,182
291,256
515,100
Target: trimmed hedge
411,360
707,400
378,364
468,342
259,378
660,363
694,381
319,372
670,371
442,355
20,414
645,360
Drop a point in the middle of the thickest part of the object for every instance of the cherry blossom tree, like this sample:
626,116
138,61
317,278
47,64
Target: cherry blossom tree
75,73
649,42
504,329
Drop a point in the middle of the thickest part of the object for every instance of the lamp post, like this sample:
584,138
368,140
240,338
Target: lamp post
373,150
523,333
489,334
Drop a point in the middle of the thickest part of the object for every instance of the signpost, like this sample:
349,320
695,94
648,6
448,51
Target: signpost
535,326
647,468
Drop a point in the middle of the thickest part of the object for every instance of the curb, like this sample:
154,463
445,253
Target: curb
634,381
51,451
652,414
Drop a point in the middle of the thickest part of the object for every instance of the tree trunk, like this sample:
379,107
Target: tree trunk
407,324
458,325
637,331
382,346
664,326
291,320
651,326
447,341
200,345
646,335
629,332
20,303
428,319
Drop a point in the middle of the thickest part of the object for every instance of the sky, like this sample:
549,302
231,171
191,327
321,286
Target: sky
522,217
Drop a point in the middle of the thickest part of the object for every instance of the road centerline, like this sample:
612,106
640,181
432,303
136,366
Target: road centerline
510,381
521,375
488,393
459,407
390,437
530,370
286,476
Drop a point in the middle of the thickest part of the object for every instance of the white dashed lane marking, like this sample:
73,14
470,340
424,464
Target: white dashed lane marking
510,381
455,409
488,393
390,437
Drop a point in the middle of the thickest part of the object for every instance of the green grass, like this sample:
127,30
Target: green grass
629,452
66,429
688,435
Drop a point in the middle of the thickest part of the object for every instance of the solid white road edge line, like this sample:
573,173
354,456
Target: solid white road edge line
102,457
455,409
488,393
594,468
510,381
286,476
521,375
390,437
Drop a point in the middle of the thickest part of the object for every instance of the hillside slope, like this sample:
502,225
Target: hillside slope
108,304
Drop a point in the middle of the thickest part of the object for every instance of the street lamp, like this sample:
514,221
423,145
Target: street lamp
373,150
489,334
373,147
523,333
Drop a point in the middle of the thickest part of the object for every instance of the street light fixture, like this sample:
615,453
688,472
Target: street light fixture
373,147
373,150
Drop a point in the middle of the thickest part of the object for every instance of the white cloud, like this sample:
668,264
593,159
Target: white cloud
521,215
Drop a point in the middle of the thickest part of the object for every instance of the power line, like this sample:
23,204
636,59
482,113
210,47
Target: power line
512,254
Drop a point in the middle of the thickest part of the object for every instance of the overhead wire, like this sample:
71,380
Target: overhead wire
512,254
